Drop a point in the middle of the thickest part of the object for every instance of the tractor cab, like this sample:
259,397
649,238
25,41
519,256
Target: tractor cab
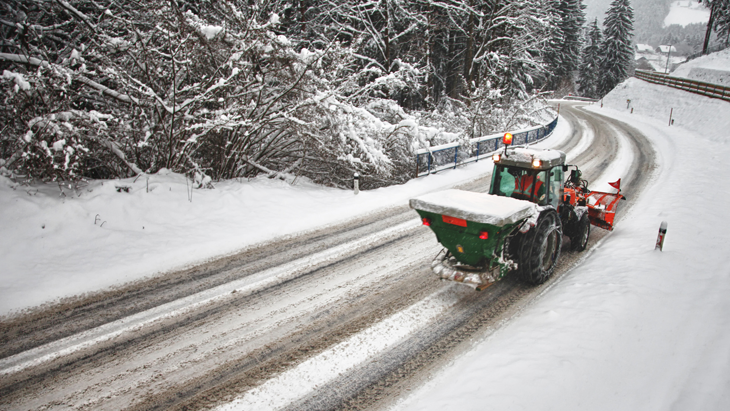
529,174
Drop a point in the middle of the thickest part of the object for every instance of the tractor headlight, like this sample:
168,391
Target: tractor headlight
496,158
536,163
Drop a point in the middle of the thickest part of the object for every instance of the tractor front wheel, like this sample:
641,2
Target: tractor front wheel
579,240
540,255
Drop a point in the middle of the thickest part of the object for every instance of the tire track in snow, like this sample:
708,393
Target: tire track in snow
180,307
345,356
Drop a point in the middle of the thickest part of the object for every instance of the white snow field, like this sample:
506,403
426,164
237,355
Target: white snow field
712,68
686,12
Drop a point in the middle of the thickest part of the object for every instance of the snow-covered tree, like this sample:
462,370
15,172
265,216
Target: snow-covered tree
589,70
563,54
618,51
239,88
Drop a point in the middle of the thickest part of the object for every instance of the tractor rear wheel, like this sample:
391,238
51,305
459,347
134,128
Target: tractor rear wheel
579,240
540,253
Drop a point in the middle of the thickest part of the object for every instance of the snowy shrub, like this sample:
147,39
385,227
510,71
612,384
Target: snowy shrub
234,89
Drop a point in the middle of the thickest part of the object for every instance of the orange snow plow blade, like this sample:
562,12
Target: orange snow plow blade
602,208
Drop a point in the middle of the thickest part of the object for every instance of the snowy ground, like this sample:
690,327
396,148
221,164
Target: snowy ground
713,68
686,12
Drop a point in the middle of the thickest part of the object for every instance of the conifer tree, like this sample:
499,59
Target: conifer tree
618,52
563,53
590,65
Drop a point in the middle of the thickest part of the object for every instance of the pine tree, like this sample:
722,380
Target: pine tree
590,64
618,52
563,52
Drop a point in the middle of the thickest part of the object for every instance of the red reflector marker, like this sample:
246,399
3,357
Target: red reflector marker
483,235
426,221
453,220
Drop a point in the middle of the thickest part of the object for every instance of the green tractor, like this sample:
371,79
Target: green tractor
519,225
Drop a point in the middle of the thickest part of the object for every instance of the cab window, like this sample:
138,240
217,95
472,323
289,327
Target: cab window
520,183
556,186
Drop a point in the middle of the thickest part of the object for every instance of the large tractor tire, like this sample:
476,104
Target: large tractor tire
579,240
540,252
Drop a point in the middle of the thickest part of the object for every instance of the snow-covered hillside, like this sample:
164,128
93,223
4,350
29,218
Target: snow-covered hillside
631,327
712,68
686,12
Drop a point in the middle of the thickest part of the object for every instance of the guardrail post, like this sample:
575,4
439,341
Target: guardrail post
456,155
671,110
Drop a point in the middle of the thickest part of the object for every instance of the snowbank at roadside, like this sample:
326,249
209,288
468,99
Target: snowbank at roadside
713,68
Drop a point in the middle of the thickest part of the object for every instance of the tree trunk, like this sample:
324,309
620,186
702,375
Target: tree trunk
387,37
469,55
708,33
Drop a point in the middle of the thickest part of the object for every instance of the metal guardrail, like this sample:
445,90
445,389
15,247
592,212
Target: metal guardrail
579,98
693,86
437,158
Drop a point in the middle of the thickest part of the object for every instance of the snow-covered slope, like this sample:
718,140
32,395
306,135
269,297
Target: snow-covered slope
686,12
713,68
632,328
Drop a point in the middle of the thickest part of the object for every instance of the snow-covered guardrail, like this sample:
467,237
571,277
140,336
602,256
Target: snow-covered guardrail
579,98
693,86
434,159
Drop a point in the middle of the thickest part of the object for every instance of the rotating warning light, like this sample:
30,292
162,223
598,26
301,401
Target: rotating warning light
507,139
